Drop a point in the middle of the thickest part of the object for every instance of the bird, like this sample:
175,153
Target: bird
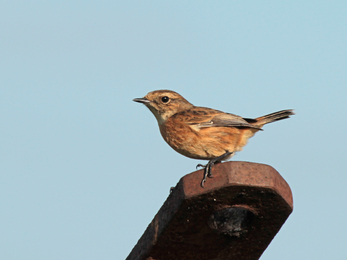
200,132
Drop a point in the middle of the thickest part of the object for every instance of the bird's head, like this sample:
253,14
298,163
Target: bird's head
164,104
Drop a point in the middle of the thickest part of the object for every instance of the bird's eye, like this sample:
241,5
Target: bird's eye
165,99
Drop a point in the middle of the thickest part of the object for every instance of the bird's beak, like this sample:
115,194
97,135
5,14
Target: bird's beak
141,100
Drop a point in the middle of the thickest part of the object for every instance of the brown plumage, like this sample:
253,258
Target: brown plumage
201,132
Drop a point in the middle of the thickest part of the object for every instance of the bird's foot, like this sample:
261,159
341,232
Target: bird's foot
207,167
201,165
207,172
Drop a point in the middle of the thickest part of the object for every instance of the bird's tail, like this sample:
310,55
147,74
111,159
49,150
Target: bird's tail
283,114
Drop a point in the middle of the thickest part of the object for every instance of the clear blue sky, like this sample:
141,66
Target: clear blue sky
83,169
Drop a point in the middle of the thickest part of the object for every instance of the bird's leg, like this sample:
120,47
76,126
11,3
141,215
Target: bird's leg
207,167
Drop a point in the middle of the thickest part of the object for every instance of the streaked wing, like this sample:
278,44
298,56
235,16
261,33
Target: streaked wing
205,117
227,120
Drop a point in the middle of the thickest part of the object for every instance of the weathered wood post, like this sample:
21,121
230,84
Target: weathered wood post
235,216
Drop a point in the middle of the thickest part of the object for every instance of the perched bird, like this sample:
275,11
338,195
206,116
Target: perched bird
201,132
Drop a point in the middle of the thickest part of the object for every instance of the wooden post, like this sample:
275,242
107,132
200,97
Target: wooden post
235,216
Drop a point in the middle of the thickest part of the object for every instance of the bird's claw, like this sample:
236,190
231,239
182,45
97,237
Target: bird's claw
202,183
201,165
207,173
207,167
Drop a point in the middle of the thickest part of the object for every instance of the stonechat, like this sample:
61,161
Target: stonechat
200,132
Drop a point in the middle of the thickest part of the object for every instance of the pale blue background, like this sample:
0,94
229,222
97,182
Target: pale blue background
83,169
